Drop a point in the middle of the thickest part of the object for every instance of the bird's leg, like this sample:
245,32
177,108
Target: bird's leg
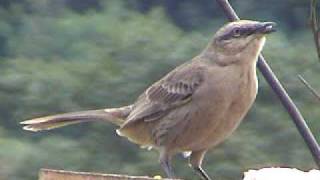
165,162
202,173
195,162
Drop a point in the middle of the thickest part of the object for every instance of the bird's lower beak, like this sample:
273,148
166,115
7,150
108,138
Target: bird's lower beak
266,27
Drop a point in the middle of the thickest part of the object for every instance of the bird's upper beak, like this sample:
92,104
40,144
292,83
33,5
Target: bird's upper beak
265,27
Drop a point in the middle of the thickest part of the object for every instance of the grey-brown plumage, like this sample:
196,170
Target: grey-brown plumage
194,107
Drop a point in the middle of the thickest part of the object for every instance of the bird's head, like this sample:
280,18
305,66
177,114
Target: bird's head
243,36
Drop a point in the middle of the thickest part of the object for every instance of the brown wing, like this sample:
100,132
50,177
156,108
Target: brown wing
173,90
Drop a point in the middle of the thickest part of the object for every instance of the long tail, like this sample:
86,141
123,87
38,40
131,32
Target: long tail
115,115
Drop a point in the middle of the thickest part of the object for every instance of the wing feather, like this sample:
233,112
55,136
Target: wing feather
174,90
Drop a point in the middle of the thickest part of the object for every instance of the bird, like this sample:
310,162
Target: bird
193,108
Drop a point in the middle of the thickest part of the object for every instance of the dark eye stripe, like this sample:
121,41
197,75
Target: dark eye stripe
244,31
230,34
248,31
227,35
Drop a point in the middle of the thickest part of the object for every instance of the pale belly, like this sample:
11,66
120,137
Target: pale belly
214,118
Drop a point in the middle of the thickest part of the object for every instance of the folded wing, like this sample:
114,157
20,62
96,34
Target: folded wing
174,90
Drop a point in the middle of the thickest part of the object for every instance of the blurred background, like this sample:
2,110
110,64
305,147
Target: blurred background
69,55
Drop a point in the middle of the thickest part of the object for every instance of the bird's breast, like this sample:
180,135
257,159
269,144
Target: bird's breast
219,106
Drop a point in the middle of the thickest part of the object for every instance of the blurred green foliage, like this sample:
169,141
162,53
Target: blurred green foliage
61,56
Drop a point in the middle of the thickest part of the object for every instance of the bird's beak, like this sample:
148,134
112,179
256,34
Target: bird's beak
265,27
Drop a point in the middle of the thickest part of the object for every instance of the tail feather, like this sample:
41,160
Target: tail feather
115,115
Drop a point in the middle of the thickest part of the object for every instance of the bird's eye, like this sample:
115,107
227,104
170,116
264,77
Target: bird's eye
236,32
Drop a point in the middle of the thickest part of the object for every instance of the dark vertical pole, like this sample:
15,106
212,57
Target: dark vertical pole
281,93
